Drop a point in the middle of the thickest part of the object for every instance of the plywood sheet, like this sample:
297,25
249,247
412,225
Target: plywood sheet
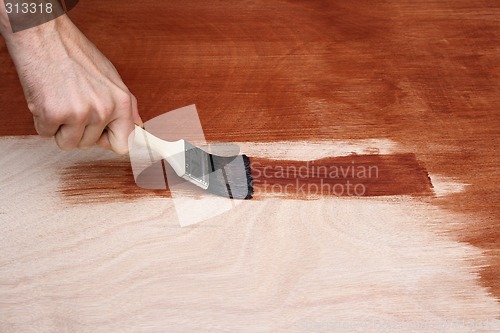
291,81
123,263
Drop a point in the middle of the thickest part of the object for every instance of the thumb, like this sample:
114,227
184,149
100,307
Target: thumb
135,113
118,133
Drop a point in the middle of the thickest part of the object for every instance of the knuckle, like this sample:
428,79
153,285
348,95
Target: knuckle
34,108
80,113
72,112
102,114
36,104
124,100
47,124
53,116
107,110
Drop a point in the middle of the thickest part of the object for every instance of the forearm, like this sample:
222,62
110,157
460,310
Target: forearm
4,20
26,45
17,26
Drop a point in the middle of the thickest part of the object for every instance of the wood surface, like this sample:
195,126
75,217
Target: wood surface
290,81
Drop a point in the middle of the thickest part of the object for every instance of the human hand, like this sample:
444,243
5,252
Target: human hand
72,89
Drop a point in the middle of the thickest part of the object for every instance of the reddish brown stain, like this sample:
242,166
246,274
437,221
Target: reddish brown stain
103,181
113,181
355,175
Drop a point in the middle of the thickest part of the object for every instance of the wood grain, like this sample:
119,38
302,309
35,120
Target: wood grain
271,265
423,75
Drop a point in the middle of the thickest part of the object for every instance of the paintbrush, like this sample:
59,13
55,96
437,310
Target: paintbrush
227,176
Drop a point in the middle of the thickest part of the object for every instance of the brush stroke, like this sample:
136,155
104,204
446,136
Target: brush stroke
355,175
103,181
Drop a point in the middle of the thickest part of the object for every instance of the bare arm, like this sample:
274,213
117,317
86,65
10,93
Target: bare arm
72,89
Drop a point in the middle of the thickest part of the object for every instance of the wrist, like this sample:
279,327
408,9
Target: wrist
35,37
17,16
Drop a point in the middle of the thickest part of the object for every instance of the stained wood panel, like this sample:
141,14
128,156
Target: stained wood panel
423,75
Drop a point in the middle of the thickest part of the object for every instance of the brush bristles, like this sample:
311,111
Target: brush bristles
231,177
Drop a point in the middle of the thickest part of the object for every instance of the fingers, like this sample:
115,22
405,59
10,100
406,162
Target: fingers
108,126
90,136
69,136
118,132
103,141
119,129
45,129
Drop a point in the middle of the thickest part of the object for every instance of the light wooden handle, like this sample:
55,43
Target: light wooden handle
173,152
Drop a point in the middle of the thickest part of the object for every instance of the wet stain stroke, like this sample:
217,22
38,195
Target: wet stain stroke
353,175
103,181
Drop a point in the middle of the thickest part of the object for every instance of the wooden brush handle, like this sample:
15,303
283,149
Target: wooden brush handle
173,152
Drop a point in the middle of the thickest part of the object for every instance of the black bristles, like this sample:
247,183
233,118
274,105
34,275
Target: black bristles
231,177
248,172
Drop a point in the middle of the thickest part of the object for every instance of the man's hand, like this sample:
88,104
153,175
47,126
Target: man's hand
72,89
